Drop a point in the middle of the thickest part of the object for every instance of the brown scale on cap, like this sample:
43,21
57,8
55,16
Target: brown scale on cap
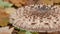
37,19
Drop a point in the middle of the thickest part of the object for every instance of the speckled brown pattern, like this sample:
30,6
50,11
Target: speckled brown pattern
37,18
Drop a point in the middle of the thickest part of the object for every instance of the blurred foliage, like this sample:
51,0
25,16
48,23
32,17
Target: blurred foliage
10,10
20,3
21,32
45,2
35,33
28,32
56,1
4,22
3,18
17,3
20,29
48,2
5,4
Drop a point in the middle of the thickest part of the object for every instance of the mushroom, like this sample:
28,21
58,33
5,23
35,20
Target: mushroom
37,19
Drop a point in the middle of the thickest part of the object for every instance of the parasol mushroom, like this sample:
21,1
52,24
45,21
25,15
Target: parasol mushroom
37,18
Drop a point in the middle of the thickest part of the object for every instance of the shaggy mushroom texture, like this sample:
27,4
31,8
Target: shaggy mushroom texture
37,18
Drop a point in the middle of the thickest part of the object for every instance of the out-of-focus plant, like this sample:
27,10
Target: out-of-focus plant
28,32
4,22
5,4
22,31
35,33
3,18
3,15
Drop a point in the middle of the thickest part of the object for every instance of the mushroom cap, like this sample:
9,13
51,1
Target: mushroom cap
37,18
